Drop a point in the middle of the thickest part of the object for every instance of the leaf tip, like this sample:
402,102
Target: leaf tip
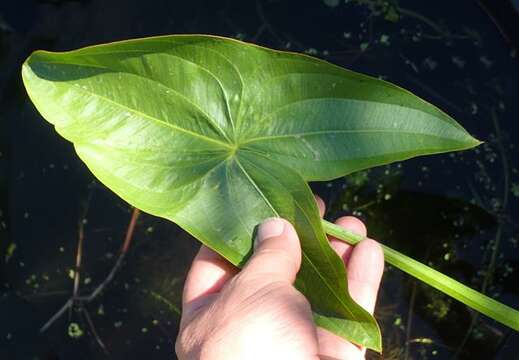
474,142
477,142
470,142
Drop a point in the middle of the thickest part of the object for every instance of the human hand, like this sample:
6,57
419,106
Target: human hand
256,313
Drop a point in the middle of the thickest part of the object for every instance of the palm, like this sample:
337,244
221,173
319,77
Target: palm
257,317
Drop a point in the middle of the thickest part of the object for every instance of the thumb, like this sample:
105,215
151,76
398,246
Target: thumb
277,252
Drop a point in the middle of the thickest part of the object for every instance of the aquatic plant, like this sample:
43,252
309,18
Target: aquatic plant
216,135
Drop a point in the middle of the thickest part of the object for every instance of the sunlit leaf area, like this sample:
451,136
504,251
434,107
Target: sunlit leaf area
85,275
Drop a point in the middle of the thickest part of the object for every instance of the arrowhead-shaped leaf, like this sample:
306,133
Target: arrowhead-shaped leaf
217,135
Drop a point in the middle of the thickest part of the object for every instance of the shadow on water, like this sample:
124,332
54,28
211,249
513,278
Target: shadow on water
457,212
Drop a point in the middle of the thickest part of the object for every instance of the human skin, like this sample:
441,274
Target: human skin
257,313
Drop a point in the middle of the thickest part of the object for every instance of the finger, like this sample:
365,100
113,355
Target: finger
354,225
277,252
208,273
320,204
365,268
365,263
334,347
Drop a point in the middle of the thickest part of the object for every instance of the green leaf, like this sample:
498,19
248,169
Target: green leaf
217,135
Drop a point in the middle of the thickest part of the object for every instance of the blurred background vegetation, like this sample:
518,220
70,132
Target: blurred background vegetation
456,212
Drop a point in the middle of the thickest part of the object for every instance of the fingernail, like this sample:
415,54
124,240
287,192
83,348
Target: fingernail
269,228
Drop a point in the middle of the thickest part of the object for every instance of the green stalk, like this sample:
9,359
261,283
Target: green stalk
470,297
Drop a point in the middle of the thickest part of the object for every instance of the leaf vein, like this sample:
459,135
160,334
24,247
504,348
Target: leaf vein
161,84
341,131
159,121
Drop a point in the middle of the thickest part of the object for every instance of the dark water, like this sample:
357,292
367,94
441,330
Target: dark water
457,212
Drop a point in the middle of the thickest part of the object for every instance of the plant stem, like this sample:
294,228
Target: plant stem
470,297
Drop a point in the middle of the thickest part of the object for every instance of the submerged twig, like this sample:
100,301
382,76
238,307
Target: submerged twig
93,330
79,255
78,300
443,32
409,320
499,231
118,263
266,25
412,302
57,315
434,93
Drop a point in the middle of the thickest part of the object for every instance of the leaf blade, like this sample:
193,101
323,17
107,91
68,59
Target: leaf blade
180,141
314,127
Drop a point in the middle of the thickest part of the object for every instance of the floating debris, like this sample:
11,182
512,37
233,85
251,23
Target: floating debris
515,189
10,252
473,108
398,321
421,341
456,60
74,331
392,15
332,3
486,62
430,63
410,63
384,40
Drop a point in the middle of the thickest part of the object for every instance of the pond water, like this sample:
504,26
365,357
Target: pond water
456,212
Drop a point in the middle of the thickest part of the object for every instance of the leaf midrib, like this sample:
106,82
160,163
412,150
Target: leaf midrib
440,115
332,132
